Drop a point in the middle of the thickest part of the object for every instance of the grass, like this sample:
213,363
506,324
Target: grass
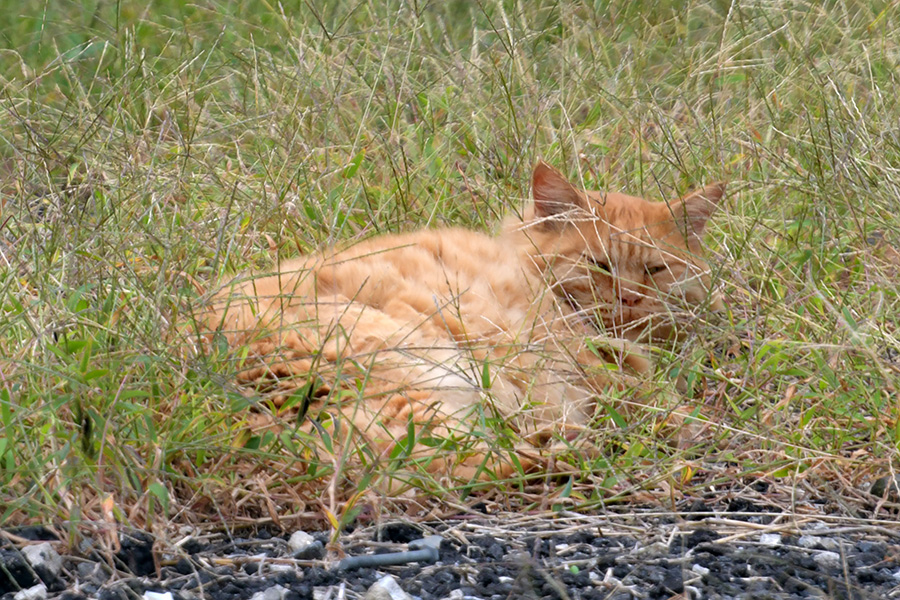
149,151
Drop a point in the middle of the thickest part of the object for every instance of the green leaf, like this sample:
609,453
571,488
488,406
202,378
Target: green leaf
486,376
220,343
161,494
69,347
616,417
567,490
351,169
15,307
95,374
433,442
85,357
849,318
5,411
76,303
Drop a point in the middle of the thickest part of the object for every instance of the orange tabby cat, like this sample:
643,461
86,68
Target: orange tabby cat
441,326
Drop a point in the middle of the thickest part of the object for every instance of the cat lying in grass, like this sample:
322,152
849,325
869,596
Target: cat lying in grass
423,334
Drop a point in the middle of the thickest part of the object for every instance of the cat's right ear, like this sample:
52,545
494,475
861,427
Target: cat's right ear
553,194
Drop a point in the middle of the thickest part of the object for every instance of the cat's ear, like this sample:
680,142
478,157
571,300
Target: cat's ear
553,194
693,211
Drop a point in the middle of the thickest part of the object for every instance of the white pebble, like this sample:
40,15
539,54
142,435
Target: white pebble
276,592
329,593
300,540
386,588
813,541
43,555
37,592
828,559
829,543
770,539
692,592
808,541
158,596
700,570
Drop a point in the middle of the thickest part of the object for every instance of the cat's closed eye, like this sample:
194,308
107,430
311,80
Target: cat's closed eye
600,265
655,269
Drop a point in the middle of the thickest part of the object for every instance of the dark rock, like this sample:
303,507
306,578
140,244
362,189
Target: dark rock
35,533
481,507
193,546
15,572
760,486
136,553
673,581
696,537
317,577
314,551
398,533
697,506
583,537
878,548
743,505
886,487
184,567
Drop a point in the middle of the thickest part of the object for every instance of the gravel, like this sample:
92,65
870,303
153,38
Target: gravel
637,555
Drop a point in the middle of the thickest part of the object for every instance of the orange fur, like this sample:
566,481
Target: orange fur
437,326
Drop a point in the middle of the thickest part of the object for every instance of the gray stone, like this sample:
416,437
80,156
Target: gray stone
808,541
305,547
700,570
43,556
386,588
886,487
828,559
814,541
37,592
300,540
276,592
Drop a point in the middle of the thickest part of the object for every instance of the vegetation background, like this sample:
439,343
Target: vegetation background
149,149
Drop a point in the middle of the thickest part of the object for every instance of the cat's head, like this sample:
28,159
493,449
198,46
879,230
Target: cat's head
621,260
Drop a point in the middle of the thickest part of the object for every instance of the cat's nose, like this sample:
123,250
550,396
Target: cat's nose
630,297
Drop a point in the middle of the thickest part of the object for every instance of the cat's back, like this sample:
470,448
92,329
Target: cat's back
435,282
440,264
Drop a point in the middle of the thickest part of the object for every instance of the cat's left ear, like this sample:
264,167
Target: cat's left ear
693,211
553,195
